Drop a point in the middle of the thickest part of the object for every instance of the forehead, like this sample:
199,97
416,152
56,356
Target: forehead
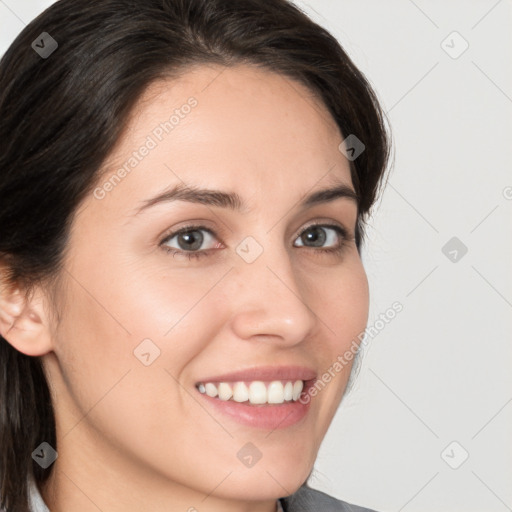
248,129
241,95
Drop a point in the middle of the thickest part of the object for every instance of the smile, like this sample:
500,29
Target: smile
255,392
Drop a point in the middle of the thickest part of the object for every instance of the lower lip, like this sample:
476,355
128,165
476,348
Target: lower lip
265,416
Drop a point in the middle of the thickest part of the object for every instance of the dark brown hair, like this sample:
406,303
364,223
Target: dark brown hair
61,116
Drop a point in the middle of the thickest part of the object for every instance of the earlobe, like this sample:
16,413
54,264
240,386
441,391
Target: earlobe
24,322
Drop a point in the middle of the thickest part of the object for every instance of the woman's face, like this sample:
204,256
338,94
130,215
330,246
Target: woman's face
140,326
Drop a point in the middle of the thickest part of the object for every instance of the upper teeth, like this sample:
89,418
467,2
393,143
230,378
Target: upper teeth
257,392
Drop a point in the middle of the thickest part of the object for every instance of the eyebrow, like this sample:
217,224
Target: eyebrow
233,201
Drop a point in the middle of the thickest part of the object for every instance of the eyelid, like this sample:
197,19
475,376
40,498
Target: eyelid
189,226
199,226
345,232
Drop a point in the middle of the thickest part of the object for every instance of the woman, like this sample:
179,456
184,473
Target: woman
184,187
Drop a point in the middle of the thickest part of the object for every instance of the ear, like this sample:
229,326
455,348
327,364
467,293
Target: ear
24,322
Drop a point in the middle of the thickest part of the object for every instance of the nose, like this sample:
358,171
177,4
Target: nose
270,300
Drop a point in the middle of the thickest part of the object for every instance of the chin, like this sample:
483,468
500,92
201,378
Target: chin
271,479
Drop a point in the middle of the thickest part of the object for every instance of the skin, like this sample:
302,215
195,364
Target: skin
133,437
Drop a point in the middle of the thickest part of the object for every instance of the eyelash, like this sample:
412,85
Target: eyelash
338,249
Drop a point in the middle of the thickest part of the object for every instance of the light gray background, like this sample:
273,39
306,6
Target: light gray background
440,371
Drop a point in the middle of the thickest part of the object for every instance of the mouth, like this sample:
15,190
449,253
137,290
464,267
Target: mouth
256,392
264,397
271,405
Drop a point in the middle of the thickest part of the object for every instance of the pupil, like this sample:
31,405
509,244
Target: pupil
189,240
312,237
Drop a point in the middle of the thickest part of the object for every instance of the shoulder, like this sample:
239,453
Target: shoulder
307,499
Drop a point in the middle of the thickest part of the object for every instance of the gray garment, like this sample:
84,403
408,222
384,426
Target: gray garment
307,499
304,500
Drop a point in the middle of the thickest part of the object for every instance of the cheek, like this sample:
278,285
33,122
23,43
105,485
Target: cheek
354,297
113,307
101,328
343,303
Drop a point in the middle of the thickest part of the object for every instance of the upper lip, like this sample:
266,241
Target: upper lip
265,373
